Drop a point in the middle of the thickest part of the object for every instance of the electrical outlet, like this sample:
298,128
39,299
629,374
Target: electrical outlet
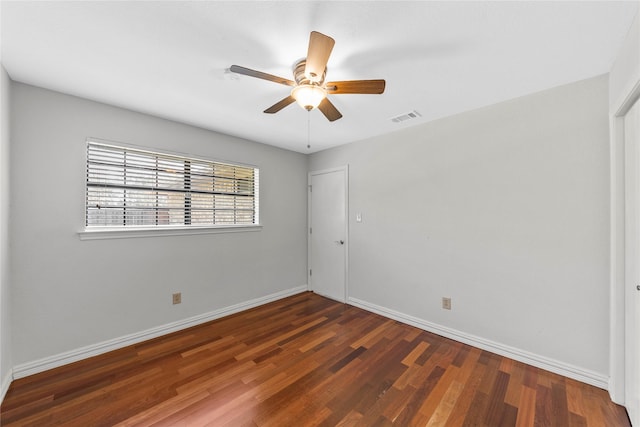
177,298
446,303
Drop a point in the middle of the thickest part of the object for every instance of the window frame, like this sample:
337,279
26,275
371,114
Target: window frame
93,232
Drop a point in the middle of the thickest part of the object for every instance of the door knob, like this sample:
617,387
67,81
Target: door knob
340,241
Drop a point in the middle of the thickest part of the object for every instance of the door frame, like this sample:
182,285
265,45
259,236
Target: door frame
345,170
617,323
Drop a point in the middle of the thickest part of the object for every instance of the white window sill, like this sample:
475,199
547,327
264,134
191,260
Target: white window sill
99,233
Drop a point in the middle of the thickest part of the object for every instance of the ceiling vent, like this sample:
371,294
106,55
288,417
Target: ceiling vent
406,116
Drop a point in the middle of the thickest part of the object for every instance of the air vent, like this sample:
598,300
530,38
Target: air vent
406,116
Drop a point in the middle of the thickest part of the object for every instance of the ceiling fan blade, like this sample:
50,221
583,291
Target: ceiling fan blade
356,86
280,105
260,75
329,110
320,47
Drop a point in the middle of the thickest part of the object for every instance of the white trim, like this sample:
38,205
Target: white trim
55,361
346,232
101,233
616,263
6,382
629,100
345,170
552,365
309,190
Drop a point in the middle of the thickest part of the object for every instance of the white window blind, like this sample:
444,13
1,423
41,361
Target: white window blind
129,187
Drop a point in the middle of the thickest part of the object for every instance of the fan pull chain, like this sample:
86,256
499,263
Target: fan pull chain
309,129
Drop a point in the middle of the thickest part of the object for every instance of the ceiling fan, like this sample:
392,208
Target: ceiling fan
309,88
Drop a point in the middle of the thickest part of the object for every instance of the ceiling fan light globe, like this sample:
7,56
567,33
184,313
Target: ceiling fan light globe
308,96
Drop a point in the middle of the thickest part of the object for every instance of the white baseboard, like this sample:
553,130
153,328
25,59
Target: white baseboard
55,361
6,382
561,368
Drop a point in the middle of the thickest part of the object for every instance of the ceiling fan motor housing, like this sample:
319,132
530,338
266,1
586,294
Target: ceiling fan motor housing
299,76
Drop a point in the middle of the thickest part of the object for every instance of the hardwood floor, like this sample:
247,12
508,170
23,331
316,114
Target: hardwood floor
303,361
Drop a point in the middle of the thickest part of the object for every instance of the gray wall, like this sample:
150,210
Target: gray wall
69,293
625,72
503,209
6,363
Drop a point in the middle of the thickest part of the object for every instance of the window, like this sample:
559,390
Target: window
129,187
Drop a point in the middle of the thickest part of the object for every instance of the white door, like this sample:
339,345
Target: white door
328,233
632,263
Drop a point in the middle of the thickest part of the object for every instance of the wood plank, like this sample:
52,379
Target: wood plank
515,384
559,406
496,398
575,401
368,339
412,407
438,393
470,375
543,406
526,407
445,407
415,353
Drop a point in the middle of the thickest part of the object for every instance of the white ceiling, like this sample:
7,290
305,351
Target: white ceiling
169,58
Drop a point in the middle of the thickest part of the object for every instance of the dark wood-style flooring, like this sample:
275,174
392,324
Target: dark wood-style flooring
304,361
